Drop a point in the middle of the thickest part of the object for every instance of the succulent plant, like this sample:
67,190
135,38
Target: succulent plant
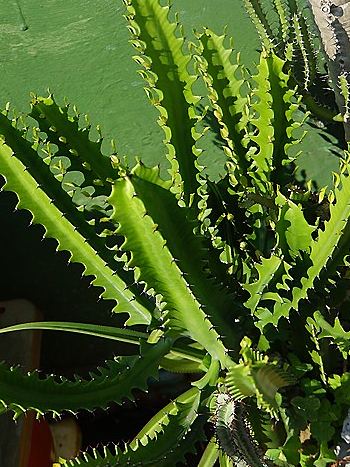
241,281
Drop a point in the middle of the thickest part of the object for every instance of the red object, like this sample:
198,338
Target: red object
41,446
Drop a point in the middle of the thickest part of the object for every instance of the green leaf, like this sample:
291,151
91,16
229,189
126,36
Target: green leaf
262,380
330,247
224,460
189,250
256,376
75,161
307,407
274,104
176,364
170,84
159,421
341,387
156,267
56,122
240,382
112,383
327,252
96,330
293,229
224,88
155,449
159,424
336,332
189,443
326,456
46,172
210,454
44,211
322,431
266,271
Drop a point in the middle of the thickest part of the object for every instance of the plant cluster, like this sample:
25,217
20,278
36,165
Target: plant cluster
242,281
313,37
